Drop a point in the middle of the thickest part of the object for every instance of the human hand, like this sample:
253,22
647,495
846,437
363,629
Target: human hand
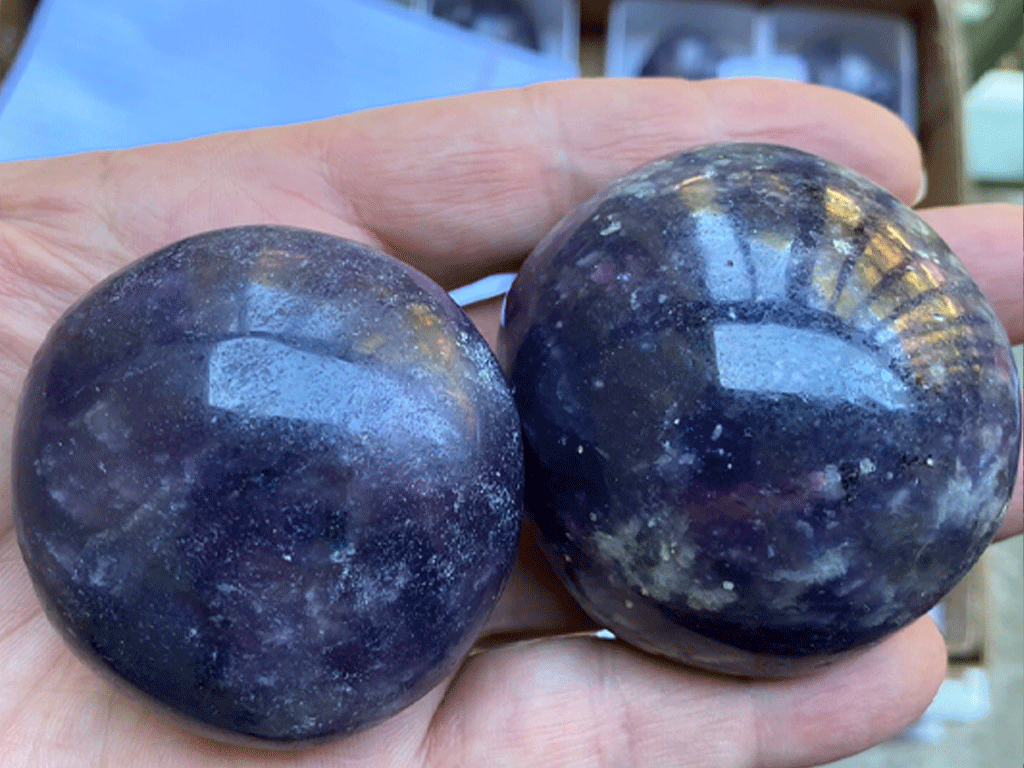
459,188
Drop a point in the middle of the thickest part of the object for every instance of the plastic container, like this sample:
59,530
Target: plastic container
551,27
869,53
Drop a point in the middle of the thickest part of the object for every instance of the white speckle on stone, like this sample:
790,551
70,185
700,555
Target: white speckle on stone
579,449
662,298
930,461
98,576
716,432
843,247
701,599
629,603
670,577
867,466
828,566
598,384
826,482
342,555
611,227
641,189
728,586
286,557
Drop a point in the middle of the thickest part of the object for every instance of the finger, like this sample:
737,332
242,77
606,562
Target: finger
844,711
989,240
582,701
1013,523
458,186
57,712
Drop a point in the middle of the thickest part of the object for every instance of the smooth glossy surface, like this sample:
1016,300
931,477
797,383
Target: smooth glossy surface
768,416
270,479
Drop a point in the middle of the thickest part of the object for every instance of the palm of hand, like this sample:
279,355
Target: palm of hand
457,192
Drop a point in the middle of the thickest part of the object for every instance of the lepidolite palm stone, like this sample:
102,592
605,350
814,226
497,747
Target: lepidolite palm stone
270,479
768,416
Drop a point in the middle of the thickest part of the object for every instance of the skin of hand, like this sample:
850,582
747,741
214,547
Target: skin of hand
459,188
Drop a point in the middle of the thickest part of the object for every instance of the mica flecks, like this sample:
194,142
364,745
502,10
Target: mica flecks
269,479
768,416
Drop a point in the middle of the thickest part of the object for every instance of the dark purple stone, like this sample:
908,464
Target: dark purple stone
684,53
841,64
506,20
768,416
270,479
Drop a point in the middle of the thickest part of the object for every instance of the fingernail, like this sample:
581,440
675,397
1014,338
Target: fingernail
923,189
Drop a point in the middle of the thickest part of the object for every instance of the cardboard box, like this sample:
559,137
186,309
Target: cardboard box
861,51
14,18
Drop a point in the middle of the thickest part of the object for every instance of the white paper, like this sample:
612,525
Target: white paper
103,74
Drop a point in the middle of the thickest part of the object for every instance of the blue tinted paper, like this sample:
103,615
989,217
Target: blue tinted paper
103,74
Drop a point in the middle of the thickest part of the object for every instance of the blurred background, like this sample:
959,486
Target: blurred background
78,75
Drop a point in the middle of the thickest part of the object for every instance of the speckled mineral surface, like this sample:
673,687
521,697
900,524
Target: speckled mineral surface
269,479
768,416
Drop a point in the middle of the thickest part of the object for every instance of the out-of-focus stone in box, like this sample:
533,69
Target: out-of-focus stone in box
866,52
935,32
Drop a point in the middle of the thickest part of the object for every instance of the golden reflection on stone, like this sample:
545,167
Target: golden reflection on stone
886,304
884,254
775,239
920,279
894,234
825,275
879,258
700,193
272,258
367,345
850,298
431,341
841,206
935,323
441,353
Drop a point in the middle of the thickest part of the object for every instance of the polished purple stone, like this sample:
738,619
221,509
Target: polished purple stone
684,53
841,64
507,20
768,416
271,480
